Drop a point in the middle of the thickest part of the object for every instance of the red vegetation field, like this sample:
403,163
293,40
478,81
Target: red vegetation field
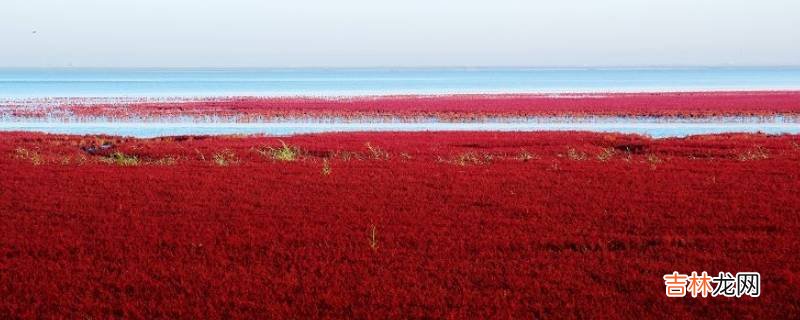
390,225
455,107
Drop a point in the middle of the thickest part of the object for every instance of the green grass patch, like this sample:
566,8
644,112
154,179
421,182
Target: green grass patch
121,159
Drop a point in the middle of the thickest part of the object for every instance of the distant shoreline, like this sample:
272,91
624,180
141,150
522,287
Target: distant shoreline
655,114
450,106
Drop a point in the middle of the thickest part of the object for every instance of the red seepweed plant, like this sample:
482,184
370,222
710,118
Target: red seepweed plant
528,225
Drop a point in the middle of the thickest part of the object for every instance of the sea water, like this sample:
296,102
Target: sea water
651,127
46,83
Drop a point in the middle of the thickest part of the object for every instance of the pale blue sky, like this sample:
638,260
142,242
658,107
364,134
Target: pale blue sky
363,33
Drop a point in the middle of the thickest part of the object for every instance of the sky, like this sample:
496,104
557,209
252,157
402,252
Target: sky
409,33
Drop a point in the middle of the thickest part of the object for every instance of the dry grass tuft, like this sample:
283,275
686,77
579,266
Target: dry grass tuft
225,158
34,157
526,156
576,155
653,160
373,237
326,167
377,153
606,154
757,153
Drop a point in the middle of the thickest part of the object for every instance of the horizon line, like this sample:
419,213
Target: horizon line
575,67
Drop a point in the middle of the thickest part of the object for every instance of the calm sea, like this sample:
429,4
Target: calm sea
44,83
